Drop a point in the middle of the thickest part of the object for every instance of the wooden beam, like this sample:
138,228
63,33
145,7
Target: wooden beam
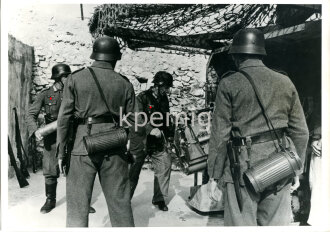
203,41
298,32
313,7
303,30
142,45
82,11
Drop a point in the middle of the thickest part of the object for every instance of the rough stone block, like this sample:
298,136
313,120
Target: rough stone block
175,109
177,84
174,102
137,70
40,81
60,59
147,75
184,101
36,59
190,74
185,78
43,64
177,78
175,91
197,92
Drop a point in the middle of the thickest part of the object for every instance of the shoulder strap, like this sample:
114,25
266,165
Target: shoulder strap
101,92
269,122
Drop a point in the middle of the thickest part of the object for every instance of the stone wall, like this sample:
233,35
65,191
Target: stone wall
189,73
58,40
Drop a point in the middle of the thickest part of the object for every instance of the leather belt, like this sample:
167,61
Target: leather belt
95,120
259,138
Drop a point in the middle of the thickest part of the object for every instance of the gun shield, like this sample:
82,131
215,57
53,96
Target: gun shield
278,166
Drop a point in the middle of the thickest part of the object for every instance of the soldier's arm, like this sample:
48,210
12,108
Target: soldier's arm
297,127
130,107
33,112
63,119
220,132
140,107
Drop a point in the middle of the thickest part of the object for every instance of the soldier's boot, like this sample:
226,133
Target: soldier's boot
51,198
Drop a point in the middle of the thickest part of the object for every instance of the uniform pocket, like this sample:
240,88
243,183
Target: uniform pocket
50,104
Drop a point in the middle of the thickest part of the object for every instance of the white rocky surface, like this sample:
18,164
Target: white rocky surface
58,35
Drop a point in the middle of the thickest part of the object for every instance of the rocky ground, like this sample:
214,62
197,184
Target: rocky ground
24,205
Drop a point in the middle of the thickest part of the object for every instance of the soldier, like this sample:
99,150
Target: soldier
238,114
50,99
315,170
153,102
83,100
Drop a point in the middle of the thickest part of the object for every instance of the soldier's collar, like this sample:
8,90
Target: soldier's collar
56,89
102,64
251,63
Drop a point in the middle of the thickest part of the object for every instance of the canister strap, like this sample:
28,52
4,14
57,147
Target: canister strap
258,138
95,120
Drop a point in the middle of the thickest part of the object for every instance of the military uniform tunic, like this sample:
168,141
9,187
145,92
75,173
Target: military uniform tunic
237,111
143,143
82,99
50,99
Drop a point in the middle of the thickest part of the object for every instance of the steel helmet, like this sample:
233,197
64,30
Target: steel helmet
106,48
163,79
59,70
248,41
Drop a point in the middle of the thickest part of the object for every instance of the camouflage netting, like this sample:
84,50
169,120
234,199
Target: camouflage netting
186,27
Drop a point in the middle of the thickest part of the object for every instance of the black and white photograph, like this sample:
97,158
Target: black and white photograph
178,114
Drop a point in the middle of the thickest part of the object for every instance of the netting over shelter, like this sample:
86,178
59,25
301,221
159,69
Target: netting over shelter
188,27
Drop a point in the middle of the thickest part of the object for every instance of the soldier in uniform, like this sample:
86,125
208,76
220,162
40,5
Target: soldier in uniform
152,140
315,170
50,99
238,114
83,100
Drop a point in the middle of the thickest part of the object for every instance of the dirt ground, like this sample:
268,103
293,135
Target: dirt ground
24,205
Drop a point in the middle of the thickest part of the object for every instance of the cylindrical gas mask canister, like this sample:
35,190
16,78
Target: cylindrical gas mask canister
105,141
48,129
278,166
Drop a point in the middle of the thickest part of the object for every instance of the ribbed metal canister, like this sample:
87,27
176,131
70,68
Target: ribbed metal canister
105,141
269,171
48,129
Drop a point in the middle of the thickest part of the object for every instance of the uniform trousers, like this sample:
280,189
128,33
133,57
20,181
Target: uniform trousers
50,167
315,183
113,176
161,163
265,209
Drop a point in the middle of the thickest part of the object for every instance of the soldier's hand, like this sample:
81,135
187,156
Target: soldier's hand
38,135
156,132
317,146
214,192
295,184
